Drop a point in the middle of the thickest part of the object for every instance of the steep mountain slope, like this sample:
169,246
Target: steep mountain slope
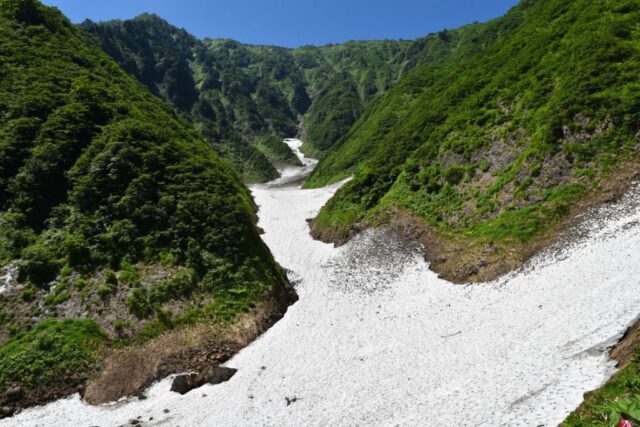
209,86
112,210
245,98
486,154
344,79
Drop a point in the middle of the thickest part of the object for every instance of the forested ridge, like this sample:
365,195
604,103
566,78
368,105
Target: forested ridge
112,209
240,112
245,99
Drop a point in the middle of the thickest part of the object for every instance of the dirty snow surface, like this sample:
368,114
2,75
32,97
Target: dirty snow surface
378,339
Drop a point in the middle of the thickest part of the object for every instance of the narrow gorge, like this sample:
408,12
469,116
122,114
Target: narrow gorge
199,230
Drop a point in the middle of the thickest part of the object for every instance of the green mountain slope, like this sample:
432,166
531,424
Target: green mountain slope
207,84
343,79
244,98
112,208
492,148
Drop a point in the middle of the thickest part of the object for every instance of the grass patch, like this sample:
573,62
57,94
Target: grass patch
54,350
225,308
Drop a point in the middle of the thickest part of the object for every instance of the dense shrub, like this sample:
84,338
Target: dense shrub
51,352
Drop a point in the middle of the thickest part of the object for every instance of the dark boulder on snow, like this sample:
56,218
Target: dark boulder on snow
6,411
186,382
220,375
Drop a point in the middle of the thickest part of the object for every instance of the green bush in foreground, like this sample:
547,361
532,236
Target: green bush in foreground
54,350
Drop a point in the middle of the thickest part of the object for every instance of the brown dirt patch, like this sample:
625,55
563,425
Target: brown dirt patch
627,348
129,371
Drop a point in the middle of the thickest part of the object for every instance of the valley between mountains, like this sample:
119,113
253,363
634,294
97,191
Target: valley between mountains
397,232
378,338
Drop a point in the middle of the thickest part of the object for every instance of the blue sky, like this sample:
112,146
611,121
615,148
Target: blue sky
296,22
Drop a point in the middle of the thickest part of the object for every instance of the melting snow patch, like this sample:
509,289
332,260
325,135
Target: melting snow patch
8,275
374,261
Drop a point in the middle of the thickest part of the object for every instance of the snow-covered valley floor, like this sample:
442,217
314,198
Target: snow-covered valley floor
378,339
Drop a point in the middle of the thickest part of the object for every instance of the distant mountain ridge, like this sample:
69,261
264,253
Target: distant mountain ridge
245,98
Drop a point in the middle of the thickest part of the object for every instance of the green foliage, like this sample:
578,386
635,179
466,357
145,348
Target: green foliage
238,94
143,302
346,78
129,274
58,296
80,284
53,351
138,303
40,263
96,172
29,293
234,94
331,117
110,278
454,174
175,288
13,238
106,290
233,292
496,138
99,176
603,407
276,150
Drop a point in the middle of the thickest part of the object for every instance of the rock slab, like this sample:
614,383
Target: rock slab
184,383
